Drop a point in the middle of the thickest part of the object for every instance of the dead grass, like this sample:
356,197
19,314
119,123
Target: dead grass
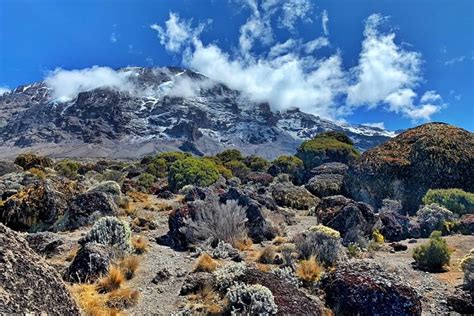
123,298
244,244
138,196
206,301
112,281
205,263
279,240
267,255
38,172
309,270
140,244
92,302
263,267
129,265
72,253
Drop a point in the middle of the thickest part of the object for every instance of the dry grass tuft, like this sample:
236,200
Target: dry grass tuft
138,196
140,244
263,267
112,281
279,240
206,301
309,270
72,253
38,172
267,255
244,244
129,265
92,302
123,298
205,263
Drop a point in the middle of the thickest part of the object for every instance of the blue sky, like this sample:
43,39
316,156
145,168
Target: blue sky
400,63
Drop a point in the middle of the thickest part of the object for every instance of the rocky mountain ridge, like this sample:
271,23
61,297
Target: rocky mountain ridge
161,109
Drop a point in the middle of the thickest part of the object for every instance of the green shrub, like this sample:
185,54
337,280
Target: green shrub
238,168
256,163
146,180
455,200
113,175
172,156
225,172
192,170
110,231
252,299
229,155
434,255
327,147
157,167
68,168
285,164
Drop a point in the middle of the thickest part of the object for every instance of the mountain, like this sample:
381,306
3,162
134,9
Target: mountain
160,109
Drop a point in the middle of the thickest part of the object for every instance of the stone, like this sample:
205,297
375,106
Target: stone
8,167
288,195
323,185
330,168
45,243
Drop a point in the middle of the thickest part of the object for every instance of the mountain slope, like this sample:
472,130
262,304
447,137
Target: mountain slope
160,109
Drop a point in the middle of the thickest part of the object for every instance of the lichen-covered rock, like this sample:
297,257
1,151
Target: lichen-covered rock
28,285
88,207
467,266
91,262
330,168
323,185
107,187
8,167
352,219
261,178
466,224
288,195
364,288
433,155
462,302
433,217
45,243
11,183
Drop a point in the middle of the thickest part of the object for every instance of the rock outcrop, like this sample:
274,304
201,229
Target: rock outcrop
430,156
27,284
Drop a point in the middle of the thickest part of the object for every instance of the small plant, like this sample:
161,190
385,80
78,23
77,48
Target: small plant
111,231
432,217
146,180
455,200
287,274
113,175
285,164
353,250
434,255
252,299
309,270
327,250
288,254
205,263
244,244
238,168
67,168
325,230
140,244
267,255
123,299
129,266
112,281
38,172
226,275
230,155
378,237
279,240
217,221
256,163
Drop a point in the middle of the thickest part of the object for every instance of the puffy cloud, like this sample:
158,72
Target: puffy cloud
380,125
430,96
316,44
186,87
324,22
294,10
4,90
66,84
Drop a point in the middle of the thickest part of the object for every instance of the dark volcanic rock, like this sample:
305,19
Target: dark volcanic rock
88,207
396,227
462,302
45,243
28,284
8,167
429,156
330,168
323,185
28,161
361,288
288,195
466,224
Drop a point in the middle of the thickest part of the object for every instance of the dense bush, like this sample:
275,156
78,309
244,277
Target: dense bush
256,163
67,168
110,231
285,164
327,147
230,155
433,217
220,222
28,161
325,248
191,170
455,200
434,255
146,180
157,167
238,168
252,299
325,230
113,175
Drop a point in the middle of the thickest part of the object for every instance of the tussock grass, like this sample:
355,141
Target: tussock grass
205,263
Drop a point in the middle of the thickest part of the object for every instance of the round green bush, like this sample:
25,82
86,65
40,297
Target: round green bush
67,168
455,200
327,147
285,164
229,155
256,163
146,180
434,255
238,168
192,170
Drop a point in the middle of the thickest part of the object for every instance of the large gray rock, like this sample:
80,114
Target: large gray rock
323,185
28,285
7,166
288,195
330,168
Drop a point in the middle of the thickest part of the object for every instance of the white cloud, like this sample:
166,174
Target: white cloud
380,125
4,90
455,60
113,37
294,10
66,84
324,22
282,48
430,96
186,87
316,44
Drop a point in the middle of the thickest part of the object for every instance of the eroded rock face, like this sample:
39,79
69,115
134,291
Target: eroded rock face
323,185
8,167
45,243
364,288
330,168
429,156
288,195
28,284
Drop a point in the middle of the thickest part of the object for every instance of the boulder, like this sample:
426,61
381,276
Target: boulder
395,226
261,178
462,302
288,195
432,217
8,167
28,161
323,185
330,168
108,187
11,183
45,243
353,220
87,208
466,224
28,284
90,263
365,288
430,156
